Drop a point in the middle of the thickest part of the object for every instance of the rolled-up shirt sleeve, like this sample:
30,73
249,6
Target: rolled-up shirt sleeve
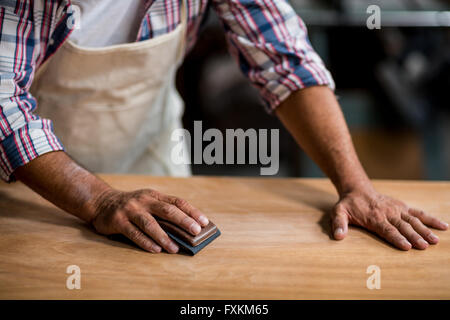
28,30
270,43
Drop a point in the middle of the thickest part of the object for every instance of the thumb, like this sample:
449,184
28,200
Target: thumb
339,222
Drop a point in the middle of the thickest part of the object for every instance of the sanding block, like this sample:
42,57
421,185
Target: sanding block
185,240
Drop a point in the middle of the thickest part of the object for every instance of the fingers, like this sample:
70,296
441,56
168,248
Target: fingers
135,235
146,223
187,208
391,234
174,214
133,214
408,231
428,219
339,222
420,228
175,210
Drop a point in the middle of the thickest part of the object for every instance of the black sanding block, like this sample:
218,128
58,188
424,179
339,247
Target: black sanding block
185,240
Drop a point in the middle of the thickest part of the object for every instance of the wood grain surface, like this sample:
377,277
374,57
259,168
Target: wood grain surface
275,244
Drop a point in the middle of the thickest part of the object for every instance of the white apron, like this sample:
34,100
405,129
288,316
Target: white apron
114,108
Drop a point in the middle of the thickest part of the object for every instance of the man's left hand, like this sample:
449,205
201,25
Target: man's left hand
389,218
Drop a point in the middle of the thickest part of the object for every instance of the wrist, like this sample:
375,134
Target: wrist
91,207
360,184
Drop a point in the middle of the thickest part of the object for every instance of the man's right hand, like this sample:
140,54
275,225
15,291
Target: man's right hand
63,182
131,214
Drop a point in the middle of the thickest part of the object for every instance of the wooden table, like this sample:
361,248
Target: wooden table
275,244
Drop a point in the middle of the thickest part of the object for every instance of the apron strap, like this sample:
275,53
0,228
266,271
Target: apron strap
183,24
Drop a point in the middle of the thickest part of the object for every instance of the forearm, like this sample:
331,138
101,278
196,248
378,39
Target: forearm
314,118
63,182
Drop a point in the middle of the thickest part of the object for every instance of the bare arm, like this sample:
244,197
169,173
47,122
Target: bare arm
314,118
63,182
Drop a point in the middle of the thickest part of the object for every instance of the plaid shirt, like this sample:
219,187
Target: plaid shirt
266,37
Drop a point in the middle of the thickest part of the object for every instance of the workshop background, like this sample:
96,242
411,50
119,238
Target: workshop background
393,85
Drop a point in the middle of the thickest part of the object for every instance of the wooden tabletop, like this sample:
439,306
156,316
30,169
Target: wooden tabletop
275,244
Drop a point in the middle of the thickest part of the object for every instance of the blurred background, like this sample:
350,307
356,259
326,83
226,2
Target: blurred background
393,85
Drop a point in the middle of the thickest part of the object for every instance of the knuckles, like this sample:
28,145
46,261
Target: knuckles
149,194
167,210
147,224
377,217
385,228
134,234
131,205
180,203
339,208
420,214
118,207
